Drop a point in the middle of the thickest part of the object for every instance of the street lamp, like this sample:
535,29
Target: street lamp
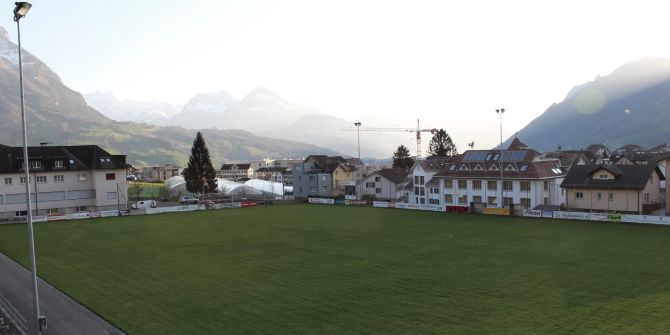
502,179
38,323
358,131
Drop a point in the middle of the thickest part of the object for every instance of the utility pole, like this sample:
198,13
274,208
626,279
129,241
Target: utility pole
502,178
358,130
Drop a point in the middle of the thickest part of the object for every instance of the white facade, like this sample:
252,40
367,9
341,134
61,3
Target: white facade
377,187
526,193
63,192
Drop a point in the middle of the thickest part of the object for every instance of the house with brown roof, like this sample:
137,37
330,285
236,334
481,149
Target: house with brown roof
236,171
476,178
607,188
416,190
384,184
63,179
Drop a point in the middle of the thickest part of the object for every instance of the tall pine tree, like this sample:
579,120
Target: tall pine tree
441,145
401,158
200,175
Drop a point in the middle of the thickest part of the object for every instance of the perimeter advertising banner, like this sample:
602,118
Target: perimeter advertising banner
321,201
496,211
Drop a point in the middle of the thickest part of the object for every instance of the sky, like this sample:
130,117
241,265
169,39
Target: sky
383,63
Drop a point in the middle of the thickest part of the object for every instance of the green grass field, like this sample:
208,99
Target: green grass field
301,269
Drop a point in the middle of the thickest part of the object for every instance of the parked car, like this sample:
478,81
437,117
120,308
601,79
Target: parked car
187,199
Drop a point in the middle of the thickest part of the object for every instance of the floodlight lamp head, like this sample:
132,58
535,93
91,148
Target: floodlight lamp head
21,10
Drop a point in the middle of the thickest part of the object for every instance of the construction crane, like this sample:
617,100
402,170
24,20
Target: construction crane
418,132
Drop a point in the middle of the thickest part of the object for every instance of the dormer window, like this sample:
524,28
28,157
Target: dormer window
35,164
58,164
71,161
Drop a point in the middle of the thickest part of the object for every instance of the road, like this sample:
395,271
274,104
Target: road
64,315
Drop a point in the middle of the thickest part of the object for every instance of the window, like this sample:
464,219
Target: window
507,186
463,199
80,209
448,183
8,181
492,201
422,191
546,185
111,195
611,196
422,201
579,195
507,201
416,179
477,185
35,164
82,177
546,201
325,188
110,176
599,196
646,198
312,189
41,179
59,179
462,184
434,201
416,190
495,157
369,185
603,176
434,190
477,198
377,179
58,164
323,178
525,186
21,213
52,210
523,168
378,190
300,189
22,180
492,185
448,199
525,202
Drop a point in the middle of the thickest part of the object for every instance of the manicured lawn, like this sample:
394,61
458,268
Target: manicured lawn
309,269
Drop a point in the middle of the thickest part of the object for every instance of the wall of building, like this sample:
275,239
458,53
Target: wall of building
78,191
387,189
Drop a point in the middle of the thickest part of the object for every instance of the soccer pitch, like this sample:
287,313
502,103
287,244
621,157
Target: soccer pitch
310,269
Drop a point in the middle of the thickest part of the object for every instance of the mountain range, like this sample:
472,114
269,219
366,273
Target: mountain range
264,113
629,106
58,114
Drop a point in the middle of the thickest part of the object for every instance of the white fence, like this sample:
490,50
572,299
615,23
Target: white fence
610,217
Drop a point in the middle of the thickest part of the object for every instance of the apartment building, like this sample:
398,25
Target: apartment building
476,178
63,180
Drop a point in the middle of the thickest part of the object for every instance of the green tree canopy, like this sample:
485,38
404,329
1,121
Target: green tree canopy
441,145
401,158
200,175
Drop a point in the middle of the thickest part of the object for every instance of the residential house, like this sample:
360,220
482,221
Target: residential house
608,188
314,176
476,177
384,184
416,191
63,179
344,174
159,172
275,174
236,172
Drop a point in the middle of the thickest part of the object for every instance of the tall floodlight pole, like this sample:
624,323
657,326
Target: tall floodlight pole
502,179
19,12
358,130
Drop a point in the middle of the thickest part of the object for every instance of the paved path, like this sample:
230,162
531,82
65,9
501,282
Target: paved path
64,315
